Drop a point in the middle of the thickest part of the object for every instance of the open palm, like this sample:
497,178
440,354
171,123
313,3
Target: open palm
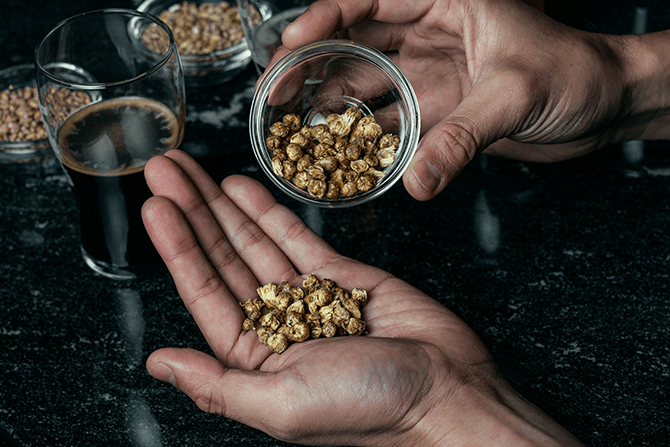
220,244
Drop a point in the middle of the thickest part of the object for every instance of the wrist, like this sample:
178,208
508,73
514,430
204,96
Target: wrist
645,61
485,413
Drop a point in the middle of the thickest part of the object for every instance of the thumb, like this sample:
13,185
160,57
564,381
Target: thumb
442,153
485,115
235,394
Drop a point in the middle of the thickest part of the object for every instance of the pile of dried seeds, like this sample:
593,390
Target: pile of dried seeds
61,102
20,118
295,314
199,29
332,160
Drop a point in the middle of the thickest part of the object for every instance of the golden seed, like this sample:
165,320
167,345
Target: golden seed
334,155
332,311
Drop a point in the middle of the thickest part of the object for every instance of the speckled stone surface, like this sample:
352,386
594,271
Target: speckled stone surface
563,270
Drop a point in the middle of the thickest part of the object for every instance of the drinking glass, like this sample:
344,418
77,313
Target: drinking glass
111,92
264,21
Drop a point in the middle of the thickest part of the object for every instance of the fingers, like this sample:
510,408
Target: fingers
193,274
304,249
192,191
322,19
209,275
442,154
221,247
214,309
269,258
325,17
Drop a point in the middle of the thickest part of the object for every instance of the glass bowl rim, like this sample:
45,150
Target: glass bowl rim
346,48
204,58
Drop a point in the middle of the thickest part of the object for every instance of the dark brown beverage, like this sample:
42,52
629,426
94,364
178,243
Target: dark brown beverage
104,149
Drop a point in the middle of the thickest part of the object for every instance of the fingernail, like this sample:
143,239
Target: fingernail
289,28
427,175
161,372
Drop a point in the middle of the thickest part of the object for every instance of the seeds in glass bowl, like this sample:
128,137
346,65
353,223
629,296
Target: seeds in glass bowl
20,118
199,29
338,159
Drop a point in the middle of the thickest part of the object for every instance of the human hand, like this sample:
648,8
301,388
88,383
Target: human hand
501,76
419,377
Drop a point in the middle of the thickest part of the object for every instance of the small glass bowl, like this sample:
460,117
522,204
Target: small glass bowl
206,69
327,77
12,78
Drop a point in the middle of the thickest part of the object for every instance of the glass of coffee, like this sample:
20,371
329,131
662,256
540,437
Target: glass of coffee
264,21
111,92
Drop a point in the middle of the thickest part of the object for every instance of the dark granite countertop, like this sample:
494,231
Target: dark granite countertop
563,270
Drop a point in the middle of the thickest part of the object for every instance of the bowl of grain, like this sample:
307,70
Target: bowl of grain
209,38
23,137
334,124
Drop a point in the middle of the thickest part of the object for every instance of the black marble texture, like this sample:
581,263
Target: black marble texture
563,270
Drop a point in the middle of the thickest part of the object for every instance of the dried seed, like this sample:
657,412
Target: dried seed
198,29
335,155
20,117
327,316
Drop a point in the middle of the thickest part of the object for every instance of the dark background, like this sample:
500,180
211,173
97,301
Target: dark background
562,270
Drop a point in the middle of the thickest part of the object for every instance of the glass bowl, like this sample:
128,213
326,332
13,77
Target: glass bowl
209,68
325,79
15,78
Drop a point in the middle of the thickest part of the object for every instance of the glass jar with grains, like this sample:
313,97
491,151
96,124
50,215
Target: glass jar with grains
334,124
23,137
209,38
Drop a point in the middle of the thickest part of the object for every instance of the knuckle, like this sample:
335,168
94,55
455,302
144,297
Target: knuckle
222,252
208,401
295,230
458,147
248,235
180,249
205,288
288,427
193,206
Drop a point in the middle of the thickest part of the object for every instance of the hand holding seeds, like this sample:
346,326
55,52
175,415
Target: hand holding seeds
318,308
408,381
